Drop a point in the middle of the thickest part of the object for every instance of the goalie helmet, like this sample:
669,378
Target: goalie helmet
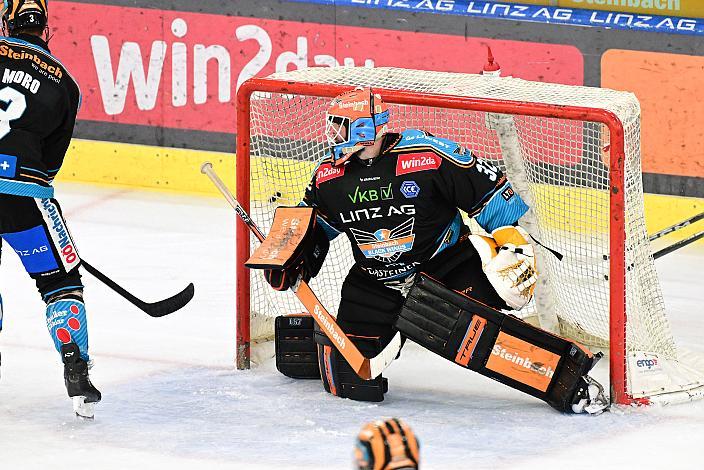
387,445
355,119
23,14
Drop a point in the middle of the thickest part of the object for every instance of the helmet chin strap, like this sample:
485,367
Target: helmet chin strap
368,161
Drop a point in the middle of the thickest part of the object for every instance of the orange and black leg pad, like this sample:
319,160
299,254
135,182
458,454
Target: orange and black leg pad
296,351
481,338
340,379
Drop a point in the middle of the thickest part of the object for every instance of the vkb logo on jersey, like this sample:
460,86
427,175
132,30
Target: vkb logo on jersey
410,189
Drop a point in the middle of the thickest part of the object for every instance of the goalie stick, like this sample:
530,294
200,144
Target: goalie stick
153,309
366,368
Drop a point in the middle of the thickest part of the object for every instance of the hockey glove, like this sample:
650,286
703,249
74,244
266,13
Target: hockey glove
295,247
282,279
307,266
509,264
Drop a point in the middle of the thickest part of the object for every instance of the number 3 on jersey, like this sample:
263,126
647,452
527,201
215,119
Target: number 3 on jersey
12,106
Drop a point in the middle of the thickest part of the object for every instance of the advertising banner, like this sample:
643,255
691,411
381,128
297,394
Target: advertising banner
181,70
536,12
162,75
688,8
669,87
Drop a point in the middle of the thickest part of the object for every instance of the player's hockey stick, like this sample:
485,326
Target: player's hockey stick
674,228
677,226
678,245
153,309
366,368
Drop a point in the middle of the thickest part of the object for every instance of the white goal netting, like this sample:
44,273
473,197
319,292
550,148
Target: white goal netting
559,165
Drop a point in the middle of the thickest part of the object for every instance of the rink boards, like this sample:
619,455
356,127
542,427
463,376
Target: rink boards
173,169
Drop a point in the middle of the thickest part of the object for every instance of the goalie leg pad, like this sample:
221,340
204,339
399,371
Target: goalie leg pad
340,379
496,345
294,343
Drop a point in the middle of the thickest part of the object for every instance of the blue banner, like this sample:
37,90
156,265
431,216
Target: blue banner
534,13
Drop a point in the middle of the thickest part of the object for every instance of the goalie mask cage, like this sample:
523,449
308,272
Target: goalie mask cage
573,153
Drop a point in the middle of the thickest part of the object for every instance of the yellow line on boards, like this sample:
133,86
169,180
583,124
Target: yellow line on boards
178,170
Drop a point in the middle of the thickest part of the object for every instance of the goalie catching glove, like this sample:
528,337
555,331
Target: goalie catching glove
295,247
509,264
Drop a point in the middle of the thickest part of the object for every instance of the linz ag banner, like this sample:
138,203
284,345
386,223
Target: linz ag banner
181,70
690,8
648,19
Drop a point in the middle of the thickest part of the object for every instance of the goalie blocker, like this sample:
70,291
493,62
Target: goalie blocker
500,346
296,246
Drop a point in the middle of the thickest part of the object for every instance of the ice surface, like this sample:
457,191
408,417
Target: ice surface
172,398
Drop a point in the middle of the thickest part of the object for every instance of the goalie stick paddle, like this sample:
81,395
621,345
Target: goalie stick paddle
366,368
153,309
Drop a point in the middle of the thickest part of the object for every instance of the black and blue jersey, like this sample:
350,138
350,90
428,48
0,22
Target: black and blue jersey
402,208
38,104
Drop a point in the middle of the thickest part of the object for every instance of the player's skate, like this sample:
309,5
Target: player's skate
78,384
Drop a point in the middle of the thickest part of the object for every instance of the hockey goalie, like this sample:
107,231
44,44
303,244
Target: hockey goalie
418,270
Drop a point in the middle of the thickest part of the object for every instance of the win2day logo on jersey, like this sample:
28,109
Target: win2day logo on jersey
327,172
386,245
415,162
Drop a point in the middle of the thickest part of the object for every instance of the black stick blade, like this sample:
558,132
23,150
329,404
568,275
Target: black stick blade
153,309
170,305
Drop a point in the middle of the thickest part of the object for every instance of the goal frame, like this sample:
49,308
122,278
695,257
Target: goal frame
617,223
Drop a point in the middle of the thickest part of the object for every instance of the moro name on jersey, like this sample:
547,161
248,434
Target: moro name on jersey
21,78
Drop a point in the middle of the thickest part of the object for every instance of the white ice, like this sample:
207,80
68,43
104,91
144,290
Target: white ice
173,399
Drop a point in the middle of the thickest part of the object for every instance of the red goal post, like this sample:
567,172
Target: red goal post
286,87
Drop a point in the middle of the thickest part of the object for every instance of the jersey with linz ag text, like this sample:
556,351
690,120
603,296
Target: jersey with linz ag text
401,209
38,105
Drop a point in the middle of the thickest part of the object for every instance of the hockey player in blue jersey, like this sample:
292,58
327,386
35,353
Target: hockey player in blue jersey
38,104
399,198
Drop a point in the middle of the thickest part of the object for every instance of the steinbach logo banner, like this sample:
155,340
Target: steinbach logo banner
522,361
173,72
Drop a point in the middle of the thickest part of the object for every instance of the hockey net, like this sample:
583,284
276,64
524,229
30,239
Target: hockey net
572,152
